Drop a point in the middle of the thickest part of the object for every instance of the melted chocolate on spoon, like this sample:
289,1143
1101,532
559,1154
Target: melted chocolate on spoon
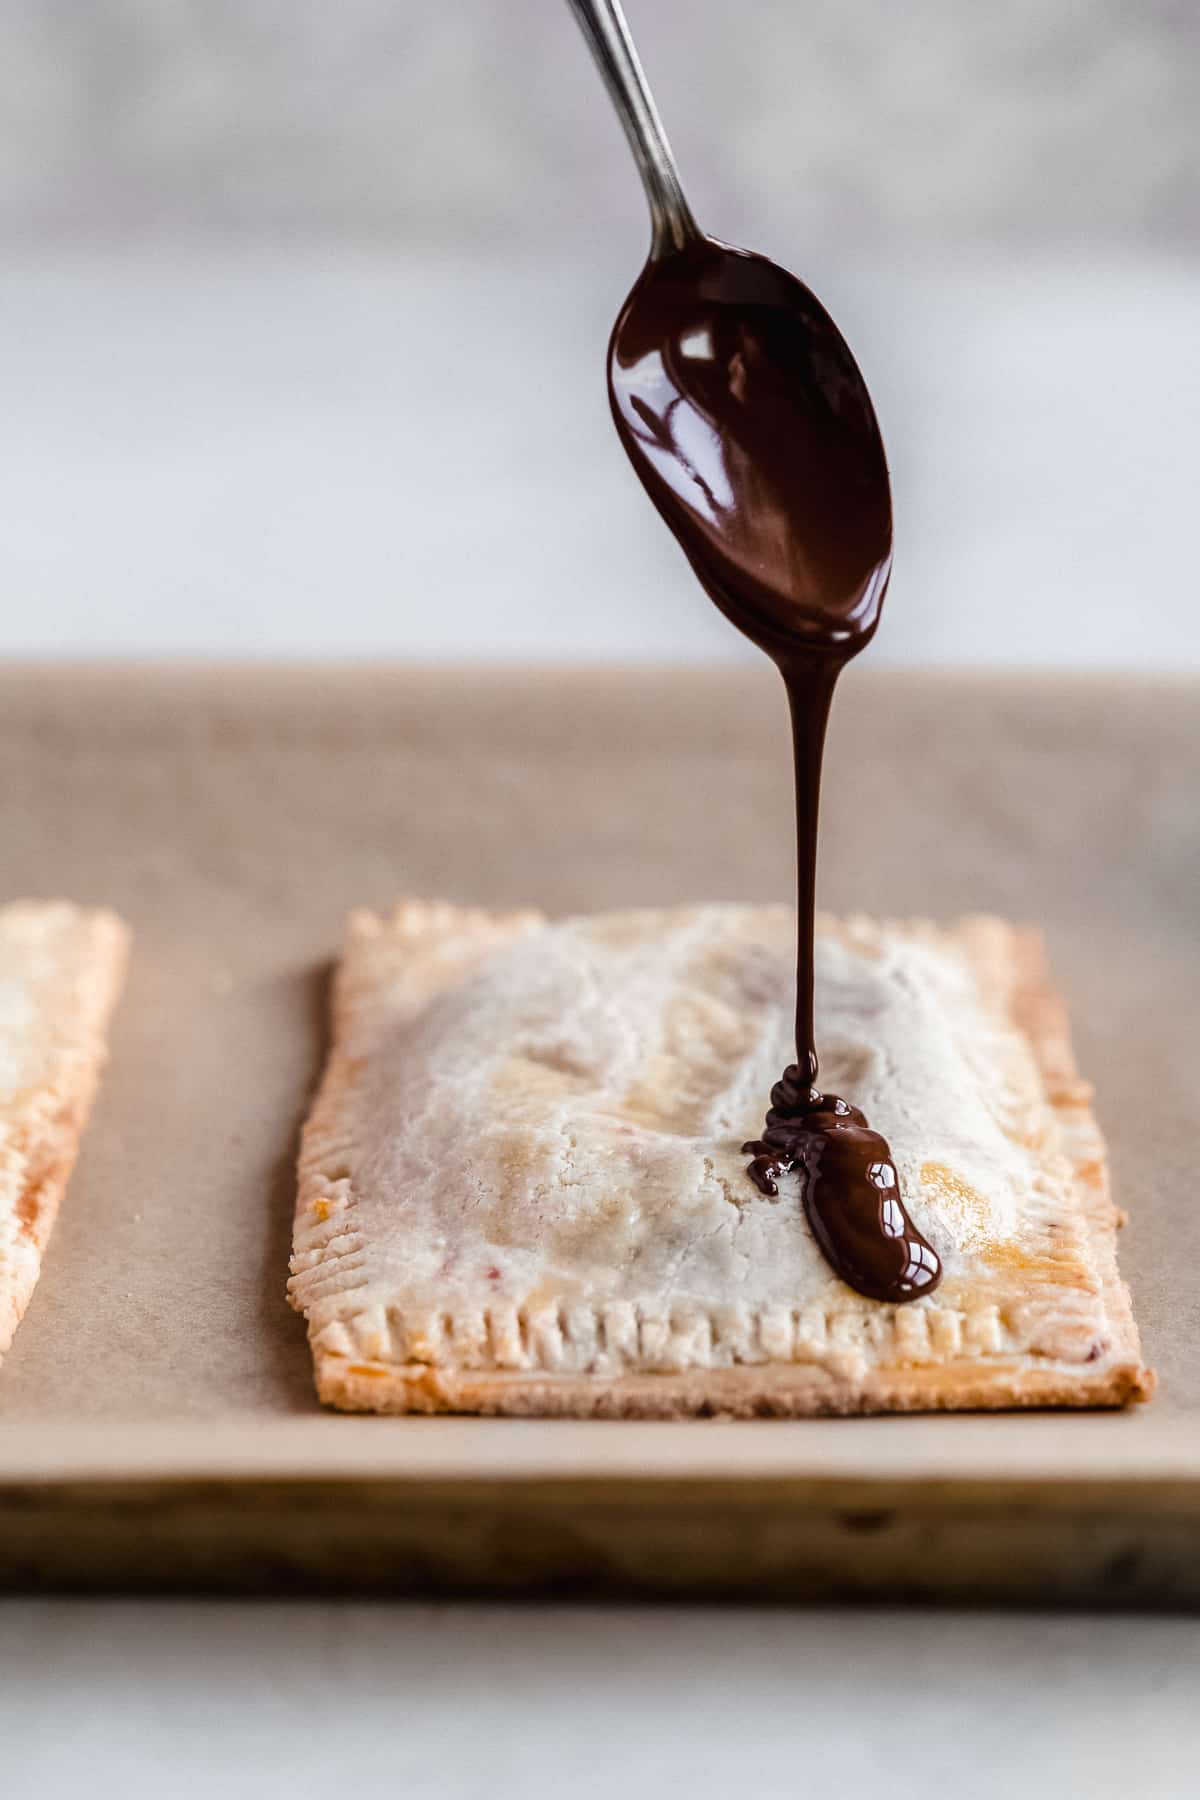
749,424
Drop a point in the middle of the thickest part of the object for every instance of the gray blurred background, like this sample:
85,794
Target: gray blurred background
304,310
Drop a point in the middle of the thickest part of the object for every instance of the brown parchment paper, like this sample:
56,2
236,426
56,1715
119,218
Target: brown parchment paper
234,816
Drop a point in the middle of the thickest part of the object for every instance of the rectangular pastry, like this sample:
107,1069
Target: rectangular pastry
522,1187
61,968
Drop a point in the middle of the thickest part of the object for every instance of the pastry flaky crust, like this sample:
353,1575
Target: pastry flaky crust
61,968
521,1189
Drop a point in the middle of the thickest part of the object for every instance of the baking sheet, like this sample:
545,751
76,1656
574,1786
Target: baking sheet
234,815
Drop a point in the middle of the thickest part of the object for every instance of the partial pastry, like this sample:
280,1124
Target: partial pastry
522,1188
61,968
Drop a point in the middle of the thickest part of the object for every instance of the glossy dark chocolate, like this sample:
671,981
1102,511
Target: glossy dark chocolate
851,1189
750,427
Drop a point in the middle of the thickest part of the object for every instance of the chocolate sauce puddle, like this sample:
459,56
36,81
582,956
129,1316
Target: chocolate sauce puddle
748,423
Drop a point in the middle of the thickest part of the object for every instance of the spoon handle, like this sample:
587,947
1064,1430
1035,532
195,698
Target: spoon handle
603,25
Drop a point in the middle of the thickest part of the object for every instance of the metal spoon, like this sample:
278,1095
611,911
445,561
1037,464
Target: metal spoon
743,411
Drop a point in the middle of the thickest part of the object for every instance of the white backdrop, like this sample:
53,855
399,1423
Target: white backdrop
303,313
326,1699
359,454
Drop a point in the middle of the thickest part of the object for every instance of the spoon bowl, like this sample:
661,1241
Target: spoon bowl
749,424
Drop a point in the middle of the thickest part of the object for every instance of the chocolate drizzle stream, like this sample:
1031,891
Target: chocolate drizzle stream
749,424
